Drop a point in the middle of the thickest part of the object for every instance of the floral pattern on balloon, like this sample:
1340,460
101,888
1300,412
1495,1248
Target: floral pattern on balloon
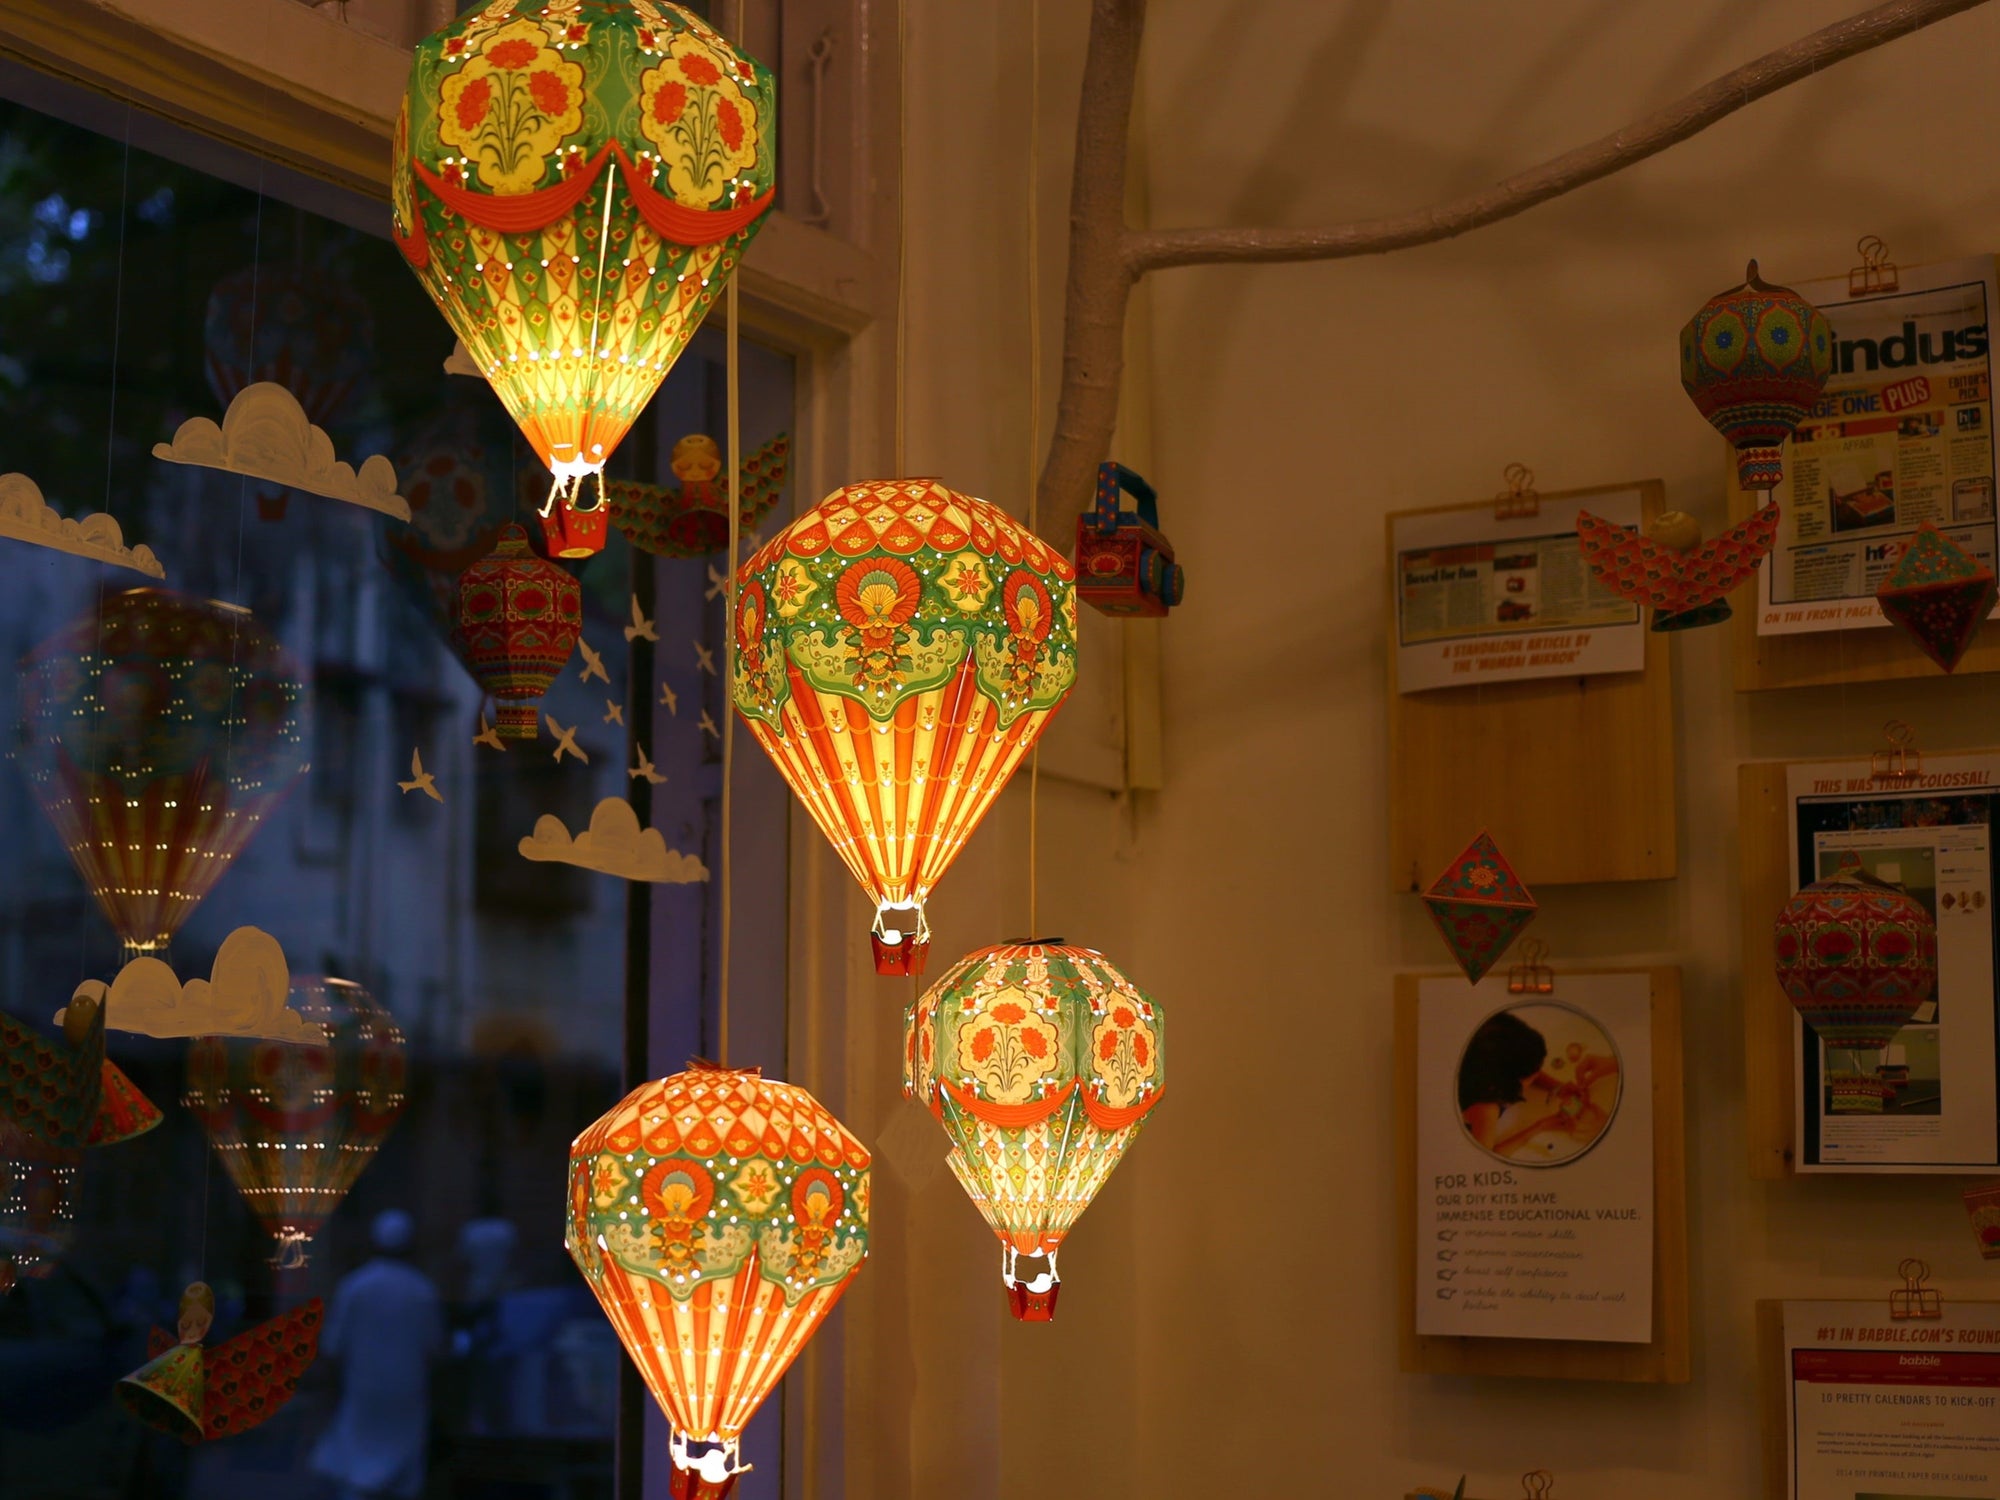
1006,1047
510,107
693,108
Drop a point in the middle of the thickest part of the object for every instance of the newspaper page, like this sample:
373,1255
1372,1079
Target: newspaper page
1482,600
1878,1408
1903,434
1928,1102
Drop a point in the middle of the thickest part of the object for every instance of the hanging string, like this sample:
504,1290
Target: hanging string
733,420
902,222
1034,400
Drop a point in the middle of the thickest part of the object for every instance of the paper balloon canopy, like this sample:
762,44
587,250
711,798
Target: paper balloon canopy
296,1123
573,183
519,617
718,1216
899,648
1856,957
156,733
1754,360
1041,1061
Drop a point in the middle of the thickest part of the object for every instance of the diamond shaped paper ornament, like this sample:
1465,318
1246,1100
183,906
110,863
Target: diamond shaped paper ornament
1480,906
1939,593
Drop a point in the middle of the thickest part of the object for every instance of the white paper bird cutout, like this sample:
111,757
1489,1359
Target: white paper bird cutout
708,725
669,699
424,782
718,583
644,768
489,736
704,658
593,664
613,714
566,741
641,628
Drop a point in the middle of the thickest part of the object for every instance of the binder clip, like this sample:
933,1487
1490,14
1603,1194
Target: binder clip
1124,566
1537,1484
1531,976
1519,499
1913,1299
1876,273
1901,761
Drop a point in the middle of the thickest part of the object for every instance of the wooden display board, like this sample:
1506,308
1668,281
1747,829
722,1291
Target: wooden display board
1668,1359
1522,760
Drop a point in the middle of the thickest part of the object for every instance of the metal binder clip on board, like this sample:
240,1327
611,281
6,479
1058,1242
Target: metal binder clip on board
1902,761
1532,976
1876,273
1913,1299
1519,499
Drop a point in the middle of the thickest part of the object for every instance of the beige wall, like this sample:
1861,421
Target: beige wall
1294,406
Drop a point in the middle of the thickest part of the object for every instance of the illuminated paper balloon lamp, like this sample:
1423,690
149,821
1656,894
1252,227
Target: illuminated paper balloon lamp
1754,359
1041,1060
899,649
574,184
1856,956
1938,593
718,1216
156,733
519,617
691,518
294,1123
1479,906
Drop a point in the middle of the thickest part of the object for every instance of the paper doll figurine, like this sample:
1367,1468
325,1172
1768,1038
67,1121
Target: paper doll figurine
1671,569
198,1394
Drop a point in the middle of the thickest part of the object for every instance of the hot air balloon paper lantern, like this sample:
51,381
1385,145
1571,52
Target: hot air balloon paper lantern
899,648
519,616
573,183
1938,593
690,518
1754,359
156,733
294,1123
1479,906
1856,956
718,1216
1041,1060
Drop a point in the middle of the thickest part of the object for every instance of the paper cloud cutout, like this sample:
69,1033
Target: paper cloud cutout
458,362
245,996
27,517
265,435
614,844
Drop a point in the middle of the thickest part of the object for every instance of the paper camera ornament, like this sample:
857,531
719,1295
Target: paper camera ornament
899,648
690,518
574,183
1480,906
518,619
1754,359
1671,570
1856,956
199,1394
1124,565
296,1123
1939,593
718,1216
1041,1060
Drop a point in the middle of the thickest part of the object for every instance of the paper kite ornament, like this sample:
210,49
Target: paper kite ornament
899,648
1124,565
1480,906
1856,956
519,617
198,1394
718,1216
1671,570
296,1123
56,1098
691,518
1754,359
573,183
156,733
1041,1060
1939,593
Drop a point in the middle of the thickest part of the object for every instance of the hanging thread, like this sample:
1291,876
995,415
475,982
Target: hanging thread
734,439
1034,402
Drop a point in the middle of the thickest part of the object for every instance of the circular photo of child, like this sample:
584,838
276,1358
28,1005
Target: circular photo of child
1538,1084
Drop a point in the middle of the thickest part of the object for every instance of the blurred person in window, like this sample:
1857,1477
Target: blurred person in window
386,1327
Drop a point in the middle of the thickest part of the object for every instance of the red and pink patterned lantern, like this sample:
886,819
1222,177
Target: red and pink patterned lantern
518,619
1856,956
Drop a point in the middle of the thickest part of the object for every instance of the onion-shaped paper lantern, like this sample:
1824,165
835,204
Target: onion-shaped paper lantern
1754,360
1856,957
294,1123
1042,1061
518,619
899,648
156,732
574,182
718,1216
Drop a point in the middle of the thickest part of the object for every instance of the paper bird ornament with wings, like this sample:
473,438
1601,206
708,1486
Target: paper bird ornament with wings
690,518
198,1394
64,1093
1671,569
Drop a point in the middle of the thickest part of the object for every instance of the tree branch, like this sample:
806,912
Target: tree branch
1157,249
